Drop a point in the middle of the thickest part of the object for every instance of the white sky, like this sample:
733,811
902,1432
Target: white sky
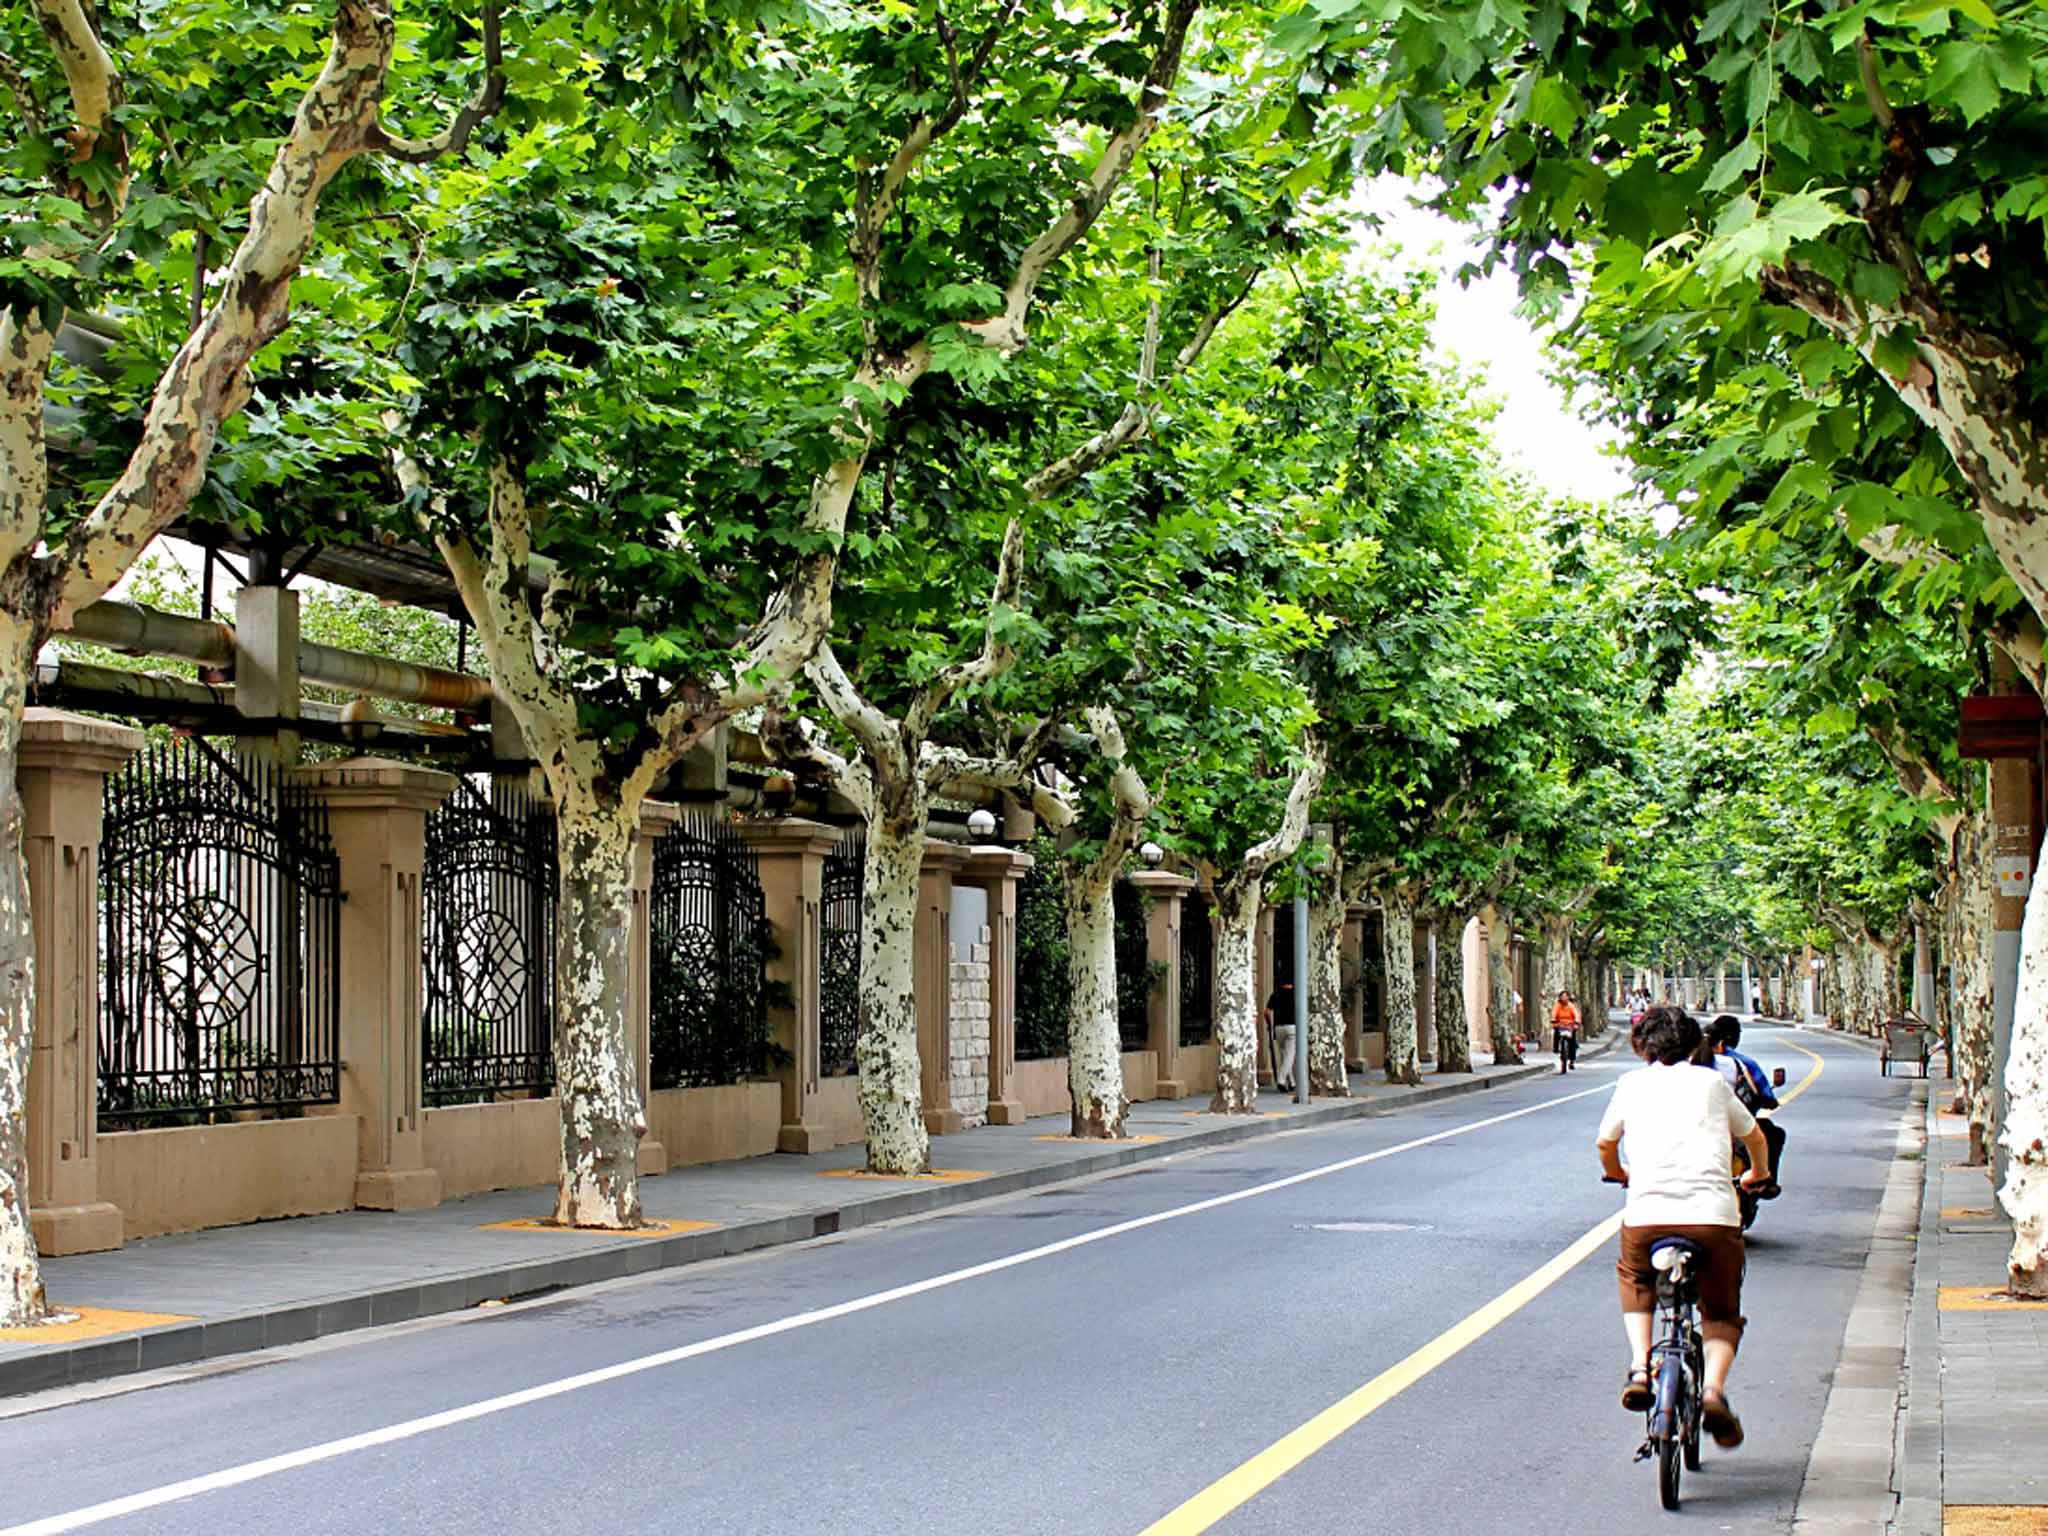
1477,326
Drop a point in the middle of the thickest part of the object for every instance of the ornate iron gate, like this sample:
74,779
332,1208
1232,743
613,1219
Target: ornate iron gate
1197,971
220,911
839,955
487,891
1133,968
708,927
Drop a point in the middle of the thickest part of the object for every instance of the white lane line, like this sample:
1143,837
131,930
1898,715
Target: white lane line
270,1466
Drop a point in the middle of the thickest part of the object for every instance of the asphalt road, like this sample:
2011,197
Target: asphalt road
951,1374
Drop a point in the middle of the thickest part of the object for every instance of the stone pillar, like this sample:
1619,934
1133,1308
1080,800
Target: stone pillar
1162,947
377,812
656,821
267,670
62,771
932,983
999,870
1352,964
792,854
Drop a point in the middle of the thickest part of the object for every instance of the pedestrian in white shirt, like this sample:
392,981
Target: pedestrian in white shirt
1679,1121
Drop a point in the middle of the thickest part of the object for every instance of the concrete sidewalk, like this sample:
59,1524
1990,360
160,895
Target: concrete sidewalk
171,1301
1975,1431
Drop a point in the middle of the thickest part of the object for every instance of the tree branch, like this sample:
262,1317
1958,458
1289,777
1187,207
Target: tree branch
206,380
875,731
479,109
15,78
1308,782
997,654
1006,331
94,81
795,743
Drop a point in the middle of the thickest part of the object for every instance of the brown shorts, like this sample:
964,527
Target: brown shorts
1720,1277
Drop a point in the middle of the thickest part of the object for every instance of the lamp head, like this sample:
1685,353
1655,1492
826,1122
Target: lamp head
1152,854
981,822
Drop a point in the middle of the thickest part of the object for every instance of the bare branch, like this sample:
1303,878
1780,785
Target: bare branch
997,654
1135,421
1006,331
795,743
480,108
875,731
95,85
1873,90
1308,782
30,105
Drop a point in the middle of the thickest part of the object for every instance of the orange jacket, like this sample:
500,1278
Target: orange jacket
1565,1015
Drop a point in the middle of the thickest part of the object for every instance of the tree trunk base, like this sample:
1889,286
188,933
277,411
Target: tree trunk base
1404,1075
1099,1122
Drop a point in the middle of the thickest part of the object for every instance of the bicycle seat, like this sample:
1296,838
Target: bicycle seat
1666,1252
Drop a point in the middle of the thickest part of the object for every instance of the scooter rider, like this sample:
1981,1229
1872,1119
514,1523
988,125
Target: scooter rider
1752,1085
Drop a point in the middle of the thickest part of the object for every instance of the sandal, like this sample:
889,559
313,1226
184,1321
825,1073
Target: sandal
1719,1421
1636,1396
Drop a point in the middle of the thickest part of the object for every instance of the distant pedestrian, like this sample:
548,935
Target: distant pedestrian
1564,1028
1280,1030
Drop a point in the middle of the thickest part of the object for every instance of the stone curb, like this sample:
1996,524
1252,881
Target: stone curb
300,1322
1917,1458
1853,1477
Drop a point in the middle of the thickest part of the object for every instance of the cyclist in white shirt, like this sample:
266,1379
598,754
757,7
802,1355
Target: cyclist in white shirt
1678,1120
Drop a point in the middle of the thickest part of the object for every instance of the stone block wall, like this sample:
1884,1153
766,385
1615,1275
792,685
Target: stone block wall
970,988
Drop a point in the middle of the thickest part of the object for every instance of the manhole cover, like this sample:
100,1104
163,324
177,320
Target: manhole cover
1367,1226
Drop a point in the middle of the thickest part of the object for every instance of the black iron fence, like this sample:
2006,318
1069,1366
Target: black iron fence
1134,978
1044,994
220,912
839,955
1372,975
487,893
1197,971
708,959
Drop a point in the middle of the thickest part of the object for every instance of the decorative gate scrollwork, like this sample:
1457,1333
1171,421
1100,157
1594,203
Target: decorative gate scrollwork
839,955
220,911
708,926
1133,968
1197,972
487,893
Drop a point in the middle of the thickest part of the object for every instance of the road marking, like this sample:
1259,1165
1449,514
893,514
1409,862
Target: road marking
1251,1478
329,1450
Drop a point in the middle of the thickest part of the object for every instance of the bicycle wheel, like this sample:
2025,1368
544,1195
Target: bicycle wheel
1667,1472
1692,1442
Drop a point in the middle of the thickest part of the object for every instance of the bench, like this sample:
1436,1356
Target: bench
1906,1042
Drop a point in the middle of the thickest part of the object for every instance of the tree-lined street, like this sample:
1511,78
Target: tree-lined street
1085,1390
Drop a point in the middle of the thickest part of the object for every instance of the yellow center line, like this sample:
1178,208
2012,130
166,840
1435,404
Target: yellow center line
1251,1478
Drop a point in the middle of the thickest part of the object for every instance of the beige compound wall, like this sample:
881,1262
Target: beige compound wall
185,1178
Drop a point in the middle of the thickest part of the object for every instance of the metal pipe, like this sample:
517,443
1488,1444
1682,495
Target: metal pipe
114,689
140,631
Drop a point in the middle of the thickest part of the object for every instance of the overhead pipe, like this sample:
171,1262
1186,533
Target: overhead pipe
141,631
148,693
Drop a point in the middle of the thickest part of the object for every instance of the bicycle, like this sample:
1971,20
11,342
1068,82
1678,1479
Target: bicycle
1678,1365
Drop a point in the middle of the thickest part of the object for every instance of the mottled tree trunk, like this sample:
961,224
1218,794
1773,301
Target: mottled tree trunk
1327,1077
1237,1002
1397,930
1453,1030
1500,999
891,1084
597,1082
1555,968
1095,1063
21,1275
2023,1136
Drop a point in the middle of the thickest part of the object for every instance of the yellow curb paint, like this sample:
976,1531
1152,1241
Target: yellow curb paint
1994,1520
1100,1141
89,1323
1980,1168
936,1176
1966,1213
1251,1478
1977,1298
649,1229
